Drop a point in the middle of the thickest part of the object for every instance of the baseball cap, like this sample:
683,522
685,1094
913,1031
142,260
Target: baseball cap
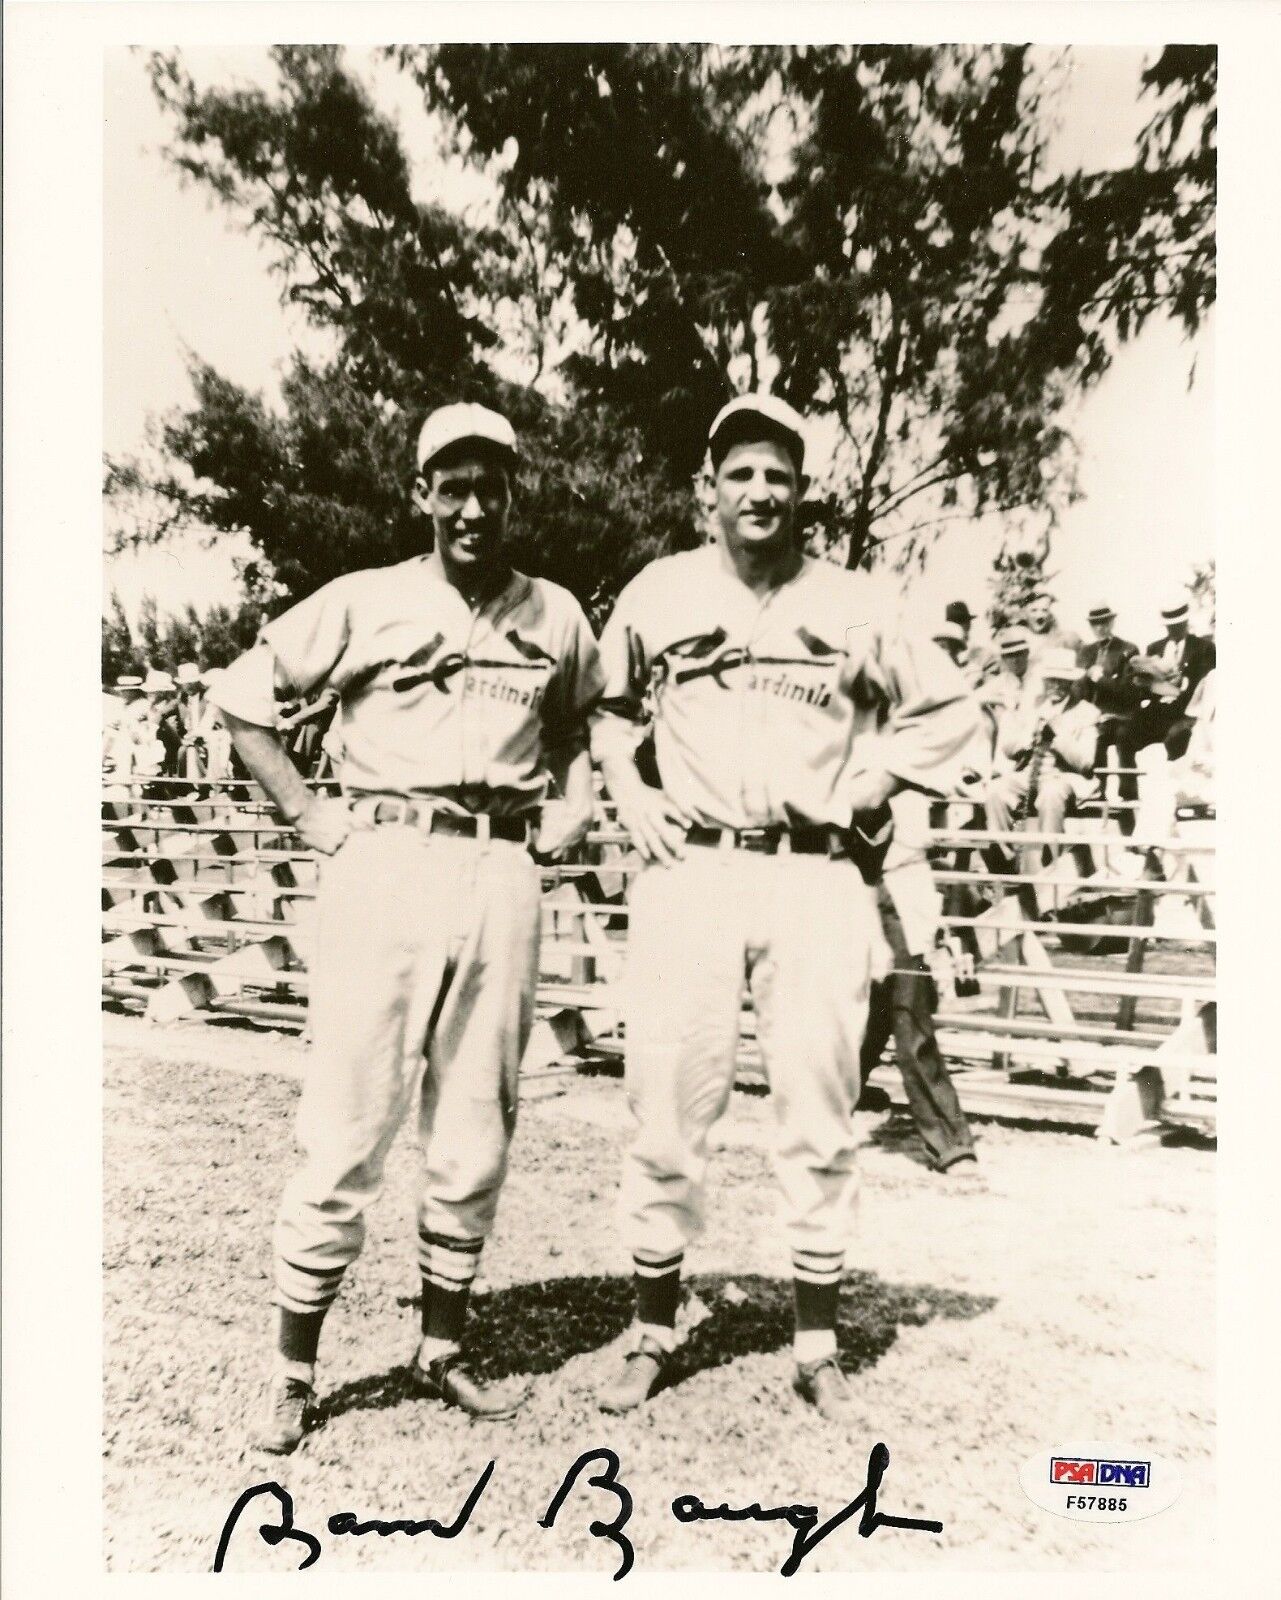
958,611
1176,611
1100,613
453,424
1013,640
752,416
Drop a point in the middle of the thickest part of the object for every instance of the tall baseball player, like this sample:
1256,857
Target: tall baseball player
463,688
782,713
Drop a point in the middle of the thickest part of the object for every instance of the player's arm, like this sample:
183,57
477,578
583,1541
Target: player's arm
574,689
296,654
932,719
655,824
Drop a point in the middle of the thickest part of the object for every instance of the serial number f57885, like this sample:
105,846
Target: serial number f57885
1095,1502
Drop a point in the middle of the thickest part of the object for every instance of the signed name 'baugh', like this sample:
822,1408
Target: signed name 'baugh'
807,1530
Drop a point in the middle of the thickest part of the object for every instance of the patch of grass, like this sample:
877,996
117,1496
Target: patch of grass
975,1329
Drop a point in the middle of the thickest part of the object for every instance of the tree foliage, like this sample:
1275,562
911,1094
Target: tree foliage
879,273
1139,241
866,230
210,639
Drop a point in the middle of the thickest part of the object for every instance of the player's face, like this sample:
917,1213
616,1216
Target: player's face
1038,615
757,492
1017,661
468,501
1056,690
1103,628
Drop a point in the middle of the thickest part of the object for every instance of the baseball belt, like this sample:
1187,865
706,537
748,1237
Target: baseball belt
427,818
772,841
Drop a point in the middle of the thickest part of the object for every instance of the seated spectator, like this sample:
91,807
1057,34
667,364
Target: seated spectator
1165,678
156,730
305,724
1192,775
1009,680
1045,755
1109,688
205,749
1045,633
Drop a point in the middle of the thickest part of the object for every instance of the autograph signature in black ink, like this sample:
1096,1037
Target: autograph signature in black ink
808,1532
341,1522
602,1480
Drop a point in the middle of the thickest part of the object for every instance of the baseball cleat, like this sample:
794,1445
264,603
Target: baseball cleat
445,1380
285,1422
642,1371
822,1384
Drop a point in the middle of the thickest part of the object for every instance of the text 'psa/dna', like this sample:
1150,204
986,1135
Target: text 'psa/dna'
1100,1482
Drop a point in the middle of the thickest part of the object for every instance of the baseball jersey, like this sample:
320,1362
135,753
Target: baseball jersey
766,708
435,695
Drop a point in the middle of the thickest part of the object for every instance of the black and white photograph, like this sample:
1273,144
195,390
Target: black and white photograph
657,792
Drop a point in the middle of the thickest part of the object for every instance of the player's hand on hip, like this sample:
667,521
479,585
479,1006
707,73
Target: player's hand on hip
324,824
655,823
563,828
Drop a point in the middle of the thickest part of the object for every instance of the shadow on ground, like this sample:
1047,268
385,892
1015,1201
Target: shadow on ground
534,1328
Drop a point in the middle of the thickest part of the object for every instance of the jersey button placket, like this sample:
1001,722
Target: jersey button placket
754,725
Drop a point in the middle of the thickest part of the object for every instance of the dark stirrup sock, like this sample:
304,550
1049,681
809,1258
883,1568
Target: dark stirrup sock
448,1268
658,1288
298,1334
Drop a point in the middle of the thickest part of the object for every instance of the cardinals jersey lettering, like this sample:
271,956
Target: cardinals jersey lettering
433,695
765,709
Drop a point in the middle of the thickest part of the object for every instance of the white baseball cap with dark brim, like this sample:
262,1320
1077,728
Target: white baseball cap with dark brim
751,416
460,424
1013,640
188,673
1176,611
131,680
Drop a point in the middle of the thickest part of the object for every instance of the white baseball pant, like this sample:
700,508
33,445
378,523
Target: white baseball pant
804,932
422,995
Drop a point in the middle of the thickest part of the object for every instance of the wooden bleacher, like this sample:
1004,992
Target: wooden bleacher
206,900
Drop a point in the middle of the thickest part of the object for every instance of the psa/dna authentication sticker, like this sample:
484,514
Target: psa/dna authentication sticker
1100,1482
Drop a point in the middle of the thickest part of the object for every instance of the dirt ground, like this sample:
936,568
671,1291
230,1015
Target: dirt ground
1073,1300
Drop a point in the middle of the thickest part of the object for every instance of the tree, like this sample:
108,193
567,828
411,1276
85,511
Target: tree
211,639
866,230
408,297
1138,242
880,274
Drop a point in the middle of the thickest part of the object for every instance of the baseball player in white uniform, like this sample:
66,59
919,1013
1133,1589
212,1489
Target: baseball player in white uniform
781,713
463,689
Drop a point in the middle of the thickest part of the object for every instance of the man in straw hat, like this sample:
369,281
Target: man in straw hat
1045,751
784,719
1166,676
463,689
